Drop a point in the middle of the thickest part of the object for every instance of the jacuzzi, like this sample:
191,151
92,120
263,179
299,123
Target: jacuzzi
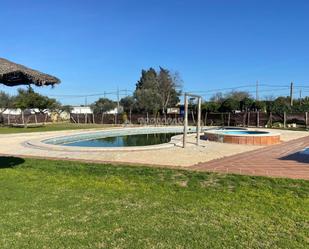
252,137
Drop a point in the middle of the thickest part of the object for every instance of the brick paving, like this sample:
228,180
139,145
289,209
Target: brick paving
281,160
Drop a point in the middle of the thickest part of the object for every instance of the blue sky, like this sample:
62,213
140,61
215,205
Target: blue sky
96,46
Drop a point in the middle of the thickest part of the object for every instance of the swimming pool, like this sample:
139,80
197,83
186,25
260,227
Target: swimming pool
253,137
124,138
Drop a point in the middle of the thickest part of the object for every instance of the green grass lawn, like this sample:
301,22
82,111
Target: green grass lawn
50,127
58,204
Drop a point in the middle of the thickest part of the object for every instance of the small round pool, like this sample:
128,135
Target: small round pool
243,137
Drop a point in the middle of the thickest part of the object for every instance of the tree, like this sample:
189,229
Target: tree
259,106
103,105
210,106
280,105
246,104
6,101
28,99
168,88
157,91
147,92
237,95
128,103
229,105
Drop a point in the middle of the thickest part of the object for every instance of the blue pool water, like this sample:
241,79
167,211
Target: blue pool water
243,132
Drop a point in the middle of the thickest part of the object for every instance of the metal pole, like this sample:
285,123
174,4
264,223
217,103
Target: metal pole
198,121
291,94
185,130
257,91
116,117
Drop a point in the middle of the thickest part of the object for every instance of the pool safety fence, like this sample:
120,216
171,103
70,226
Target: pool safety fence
37,118
241,119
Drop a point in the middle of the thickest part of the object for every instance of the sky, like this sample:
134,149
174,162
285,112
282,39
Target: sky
97,46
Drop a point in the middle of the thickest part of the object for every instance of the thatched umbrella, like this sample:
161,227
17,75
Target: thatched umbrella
12,74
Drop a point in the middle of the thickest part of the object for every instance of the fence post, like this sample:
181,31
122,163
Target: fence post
222,119
248,124
306,119
72,118
198,128
229,119
258,119
206,118
244,120
284,120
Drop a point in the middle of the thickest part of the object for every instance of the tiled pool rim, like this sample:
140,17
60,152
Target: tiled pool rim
55,143
262,138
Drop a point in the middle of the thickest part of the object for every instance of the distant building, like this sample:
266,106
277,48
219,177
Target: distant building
87,110
81,110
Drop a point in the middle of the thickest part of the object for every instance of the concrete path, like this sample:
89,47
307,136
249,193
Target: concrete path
279,160
282,160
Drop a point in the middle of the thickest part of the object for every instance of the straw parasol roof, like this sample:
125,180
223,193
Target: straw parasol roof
12,74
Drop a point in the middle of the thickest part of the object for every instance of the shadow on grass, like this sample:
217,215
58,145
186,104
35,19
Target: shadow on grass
10,162
298,157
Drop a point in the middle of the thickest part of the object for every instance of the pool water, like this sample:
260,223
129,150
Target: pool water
126,140
245,132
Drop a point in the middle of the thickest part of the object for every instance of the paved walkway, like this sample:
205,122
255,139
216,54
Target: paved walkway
282,160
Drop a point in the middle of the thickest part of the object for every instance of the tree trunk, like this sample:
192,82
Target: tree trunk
271,119
23,117
72,117
284,120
